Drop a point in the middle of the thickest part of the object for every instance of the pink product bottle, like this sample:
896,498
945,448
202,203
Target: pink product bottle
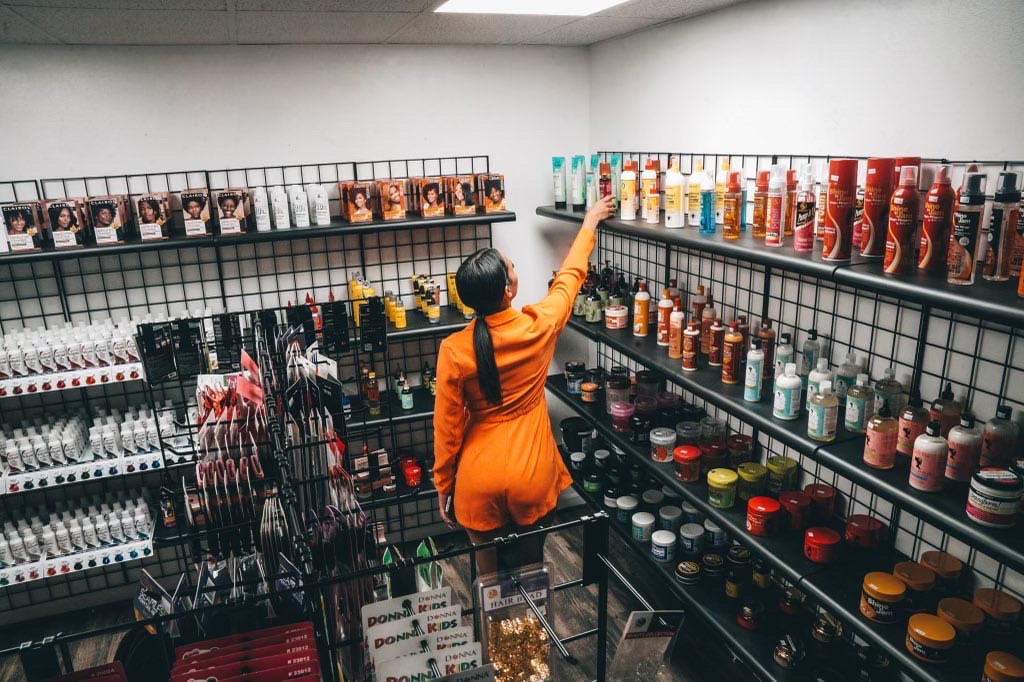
928,463
964,450
621,412
1000,439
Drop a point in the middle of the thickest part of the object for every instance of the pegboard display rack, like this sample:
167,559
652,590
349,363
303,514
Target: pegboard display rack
929,331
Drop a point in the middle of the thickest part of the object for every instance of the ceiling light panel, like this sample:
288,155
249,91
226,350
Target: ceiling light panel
558,8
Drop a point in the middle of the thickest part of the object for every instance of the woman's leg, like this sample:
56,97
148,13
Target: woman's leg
531,550
486,559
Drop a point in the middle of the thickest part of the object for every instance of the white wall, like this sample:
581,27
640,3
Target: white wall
935,78
98,111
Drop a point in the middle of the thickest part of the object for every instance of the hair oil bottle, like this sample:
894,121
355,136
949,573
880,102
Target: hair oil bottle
733,207
803,239
899,240
789,223
938,216
1002,229
721,181
963,239
693,193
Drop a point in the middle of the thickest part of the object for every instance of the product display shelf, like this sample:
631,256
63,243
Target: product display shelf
838,589
708,599
993,301
403,495
100,557
784,552
182,534
945,510
417,324
82,472
336,227
38,384
391,411
706,383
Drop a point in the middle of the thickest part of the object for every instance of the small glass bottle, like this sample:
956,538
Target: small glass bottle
880,440
946,410
407,401
372,395
860,405
964,442
913,420
822,412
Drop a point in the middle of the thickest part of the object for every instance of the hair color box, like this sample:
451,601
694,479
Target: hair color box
152,215
195,208
66,222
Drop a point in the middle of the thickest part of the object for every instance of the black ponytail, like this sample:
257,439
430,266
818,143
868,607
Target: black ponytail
481,282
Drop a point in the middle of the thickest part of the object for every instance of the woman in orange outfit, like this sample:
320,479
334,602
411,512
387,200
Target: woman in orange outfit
492,437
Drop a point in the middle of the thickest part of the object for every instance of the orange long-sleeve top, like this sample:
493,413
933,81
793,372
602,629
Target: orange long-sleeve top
513,439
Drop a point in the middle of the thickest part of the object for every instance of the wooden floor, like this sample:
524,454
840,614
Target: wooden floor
695,659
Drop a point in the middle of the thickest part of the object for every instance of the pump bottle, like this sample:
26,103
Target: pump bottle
1002,229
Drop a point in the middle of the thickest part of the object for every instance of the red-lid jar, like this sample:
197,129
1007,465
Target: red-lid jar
764,516
741,449
863,531
687,459
823,501
713,456
821,545
798,508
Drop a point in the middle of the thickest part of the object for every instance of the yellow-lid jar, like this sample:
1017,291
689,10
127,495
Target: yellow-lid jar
753,480
782,472
929,638
722,488
881,598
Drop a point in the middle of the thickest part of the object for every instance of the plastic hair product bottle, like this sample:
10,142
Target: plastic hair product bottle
809,354
627,193
945,410
913,420
675,215
846,375
733,207
928,463
860,405
694,183
803,232
732,355
776,210
938,217
816,376
753,376
784,353
707,205
767,336
789,223
691,346
787,394
964,442
889,389
665,307
880,439
819,217
641,311
1000,439
1002,229
579,182
648,186
899,240
822,412
963,239
558,179
760,204
721,182
675,333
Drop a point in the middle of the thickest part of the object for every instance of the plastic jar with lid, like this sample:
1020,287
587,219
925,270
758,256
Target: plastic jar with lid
663,440
722,488
688,572
670,517
667,400
966,618
687,461
588,392
782,473
863,531
823,501
577,463
714,536
1001,666
1002,611
929,638
881,597
651,500
575,371
639,428
821,545
753,480
663,545
995,497
649,383
621,413
920,582
627,505
691,538
616,390
713,456
610,499
740,447
643,526
592,483
713,430
798,509
688,433
691,514
948,570
596,375
616,317
764,516
646,406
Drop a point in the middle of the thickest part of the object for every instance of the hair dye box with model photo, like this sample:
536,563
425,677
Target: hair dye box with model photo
24,225
66,223
108,216
195,210
391,194
491,192
232,209
460,194
431,197
356,202
153,215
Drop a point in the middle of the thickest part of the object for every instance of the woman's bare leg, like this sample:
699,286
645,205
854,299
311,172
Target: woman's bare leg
486,559
531,550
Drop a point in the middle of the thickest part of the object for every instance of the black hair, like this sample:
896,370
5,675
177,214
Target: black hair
221,198
467,194
55,212
432,186
26,215
481,282
198,198
492,185
359,190
153,204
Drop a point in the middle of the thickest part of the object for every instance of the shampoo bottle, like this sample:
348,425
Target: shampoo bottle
913,420
928,463
964,442
641,308
753,376
707,205
693,186
860,405
648,186
627,193
791,191
732,355
784,354
1000,439
816,376
822,412
558,180
787,394
945,410
846,375
674,210
889,390
665,307
880,441
721,182
675,333
732,216
809,354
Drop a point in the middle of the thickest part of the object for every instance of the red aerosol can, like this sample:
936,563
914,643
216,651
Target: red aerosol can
899,241
839,215
877,194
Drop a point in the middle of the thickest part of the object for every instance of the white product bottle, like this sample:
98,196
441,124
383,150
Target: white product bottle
964,450
787,394
648,181
141,521
102,529
128,525
6,556
784,353
627,195
89,529
279,213
74,531
558,179
17,547
816,376
31,543
846,375
49,542
298,206
128,437
675,197
754,371
64,544
320,209
693,183
261,209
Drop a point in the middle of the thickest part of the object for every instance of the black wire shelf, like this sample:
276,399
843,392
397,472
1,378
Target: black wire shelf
391,412
992,301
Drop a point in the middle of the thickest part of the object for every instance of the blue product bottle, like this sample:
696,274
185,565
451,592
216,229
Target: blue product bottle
743,207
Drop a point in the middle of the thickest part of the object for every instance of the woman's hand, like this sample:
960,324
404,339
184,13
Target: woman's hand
442,505
602,210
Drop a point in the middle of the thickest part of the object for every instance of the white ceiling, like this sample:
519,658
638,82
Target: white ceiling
264,22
